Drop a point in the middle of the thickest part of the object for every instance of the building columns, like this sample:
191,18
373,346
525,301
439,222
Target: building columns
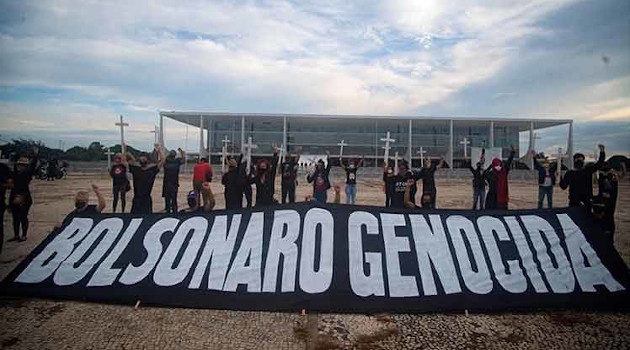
410,156
284,135
570,146
242,133
491,141
531,146
208,141
450,145
161,135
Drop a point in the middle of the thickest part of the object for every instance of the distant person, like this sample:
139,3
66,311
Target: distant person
579,180
429,189
245,177
351,179
51,169
319,177
546,180
20,197
233,184
202,172
288,174
399,184
170,185
265,180
143,180
82,202
497,177
605,203
5,182
479,185
120,183
388,187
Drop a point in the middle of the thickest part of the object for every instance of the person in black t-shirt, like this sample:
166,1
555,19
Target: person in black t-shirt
5,176
143,180
20,199
399,183
265,180
82,200
288,173
351,178
320,179
605,203
120,183
233,184
388,186
429,189
170,185
479,185
579,180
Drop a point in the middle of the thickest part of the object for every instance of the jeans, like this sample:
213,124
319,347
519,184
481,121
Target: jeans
542,192
351,193
320,196
479,193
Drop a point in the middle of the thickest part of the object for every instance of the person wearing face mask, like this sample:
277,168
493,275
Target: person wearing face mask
479,184
143,180
388,186
231,180
579,180
288,174
82,202
120,183
399,183
429,189
265,180
607,183
546,180
351,179
320,179
170,185
246,178
20,199
497,178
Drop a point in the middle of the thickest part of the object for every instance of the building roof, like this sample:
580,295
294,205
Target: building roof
192,118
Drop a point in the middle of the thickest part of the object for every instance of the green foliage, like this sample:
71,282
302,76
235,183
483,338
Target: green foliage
94,152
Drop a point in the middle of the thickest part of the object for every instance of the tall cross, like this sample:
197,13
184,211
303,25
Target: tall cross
281,153
559,166
421,152
109,158
341,144
465,142
225,141
155,133
248,154
387,140
396,162
122,125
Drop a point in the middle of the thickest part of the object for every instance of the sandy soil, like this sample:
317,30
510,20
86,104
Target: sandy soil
31,323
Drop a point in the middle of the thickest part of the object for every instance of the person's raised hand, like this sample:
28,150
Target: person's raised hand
94,188
601,147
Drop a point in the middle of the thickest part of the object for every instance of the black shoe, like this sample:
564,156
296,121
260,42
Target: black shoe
22,239
16,238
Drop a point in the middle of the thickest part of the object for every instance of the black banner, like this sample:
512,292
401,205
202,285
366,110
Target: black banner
331,258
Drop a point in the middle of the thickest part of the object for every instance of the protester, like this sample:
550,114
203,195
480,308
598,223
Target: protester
398,184
51,169
82,202
388,187
546,180
202,172
20,196
288,173
320,179
579,180
246,177
120,182
605,204
265,179
170,185
143,180
429,189
479,185
497,177
5,182
233,184
351,179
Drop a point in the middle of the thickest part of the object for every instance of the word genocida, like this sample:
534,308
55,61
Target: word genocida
290,251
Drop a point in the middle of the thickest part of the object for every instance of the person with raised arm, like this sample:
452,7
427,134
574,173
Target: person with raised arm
143,179
497,177
579,180
546,180
120,182
429,189
170,185
82,202
20,199
288,174
478,182
351,178
265,180
233,184
399,183
320,179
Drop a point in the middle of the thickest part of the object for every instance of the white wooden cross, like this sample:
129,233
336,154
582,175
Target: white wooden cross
465,142
559,166
122,125
341,144
421,152
225,141
396,163
281,154
387,140
248,153
156,133
109,158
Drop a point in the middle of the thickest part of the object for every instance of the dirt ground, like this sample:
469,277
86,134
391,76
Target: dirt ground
46,324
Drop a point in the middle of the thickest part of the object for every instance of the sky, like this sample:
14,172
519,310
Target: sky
68,69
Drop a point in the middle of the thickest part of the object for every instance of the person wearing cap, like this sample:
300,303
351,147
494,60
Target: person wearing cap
320,179
20,197
143,179
265,180
82,202
497,177
546,180
231,180
579,180
170,185
120,183
194,203
288,174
